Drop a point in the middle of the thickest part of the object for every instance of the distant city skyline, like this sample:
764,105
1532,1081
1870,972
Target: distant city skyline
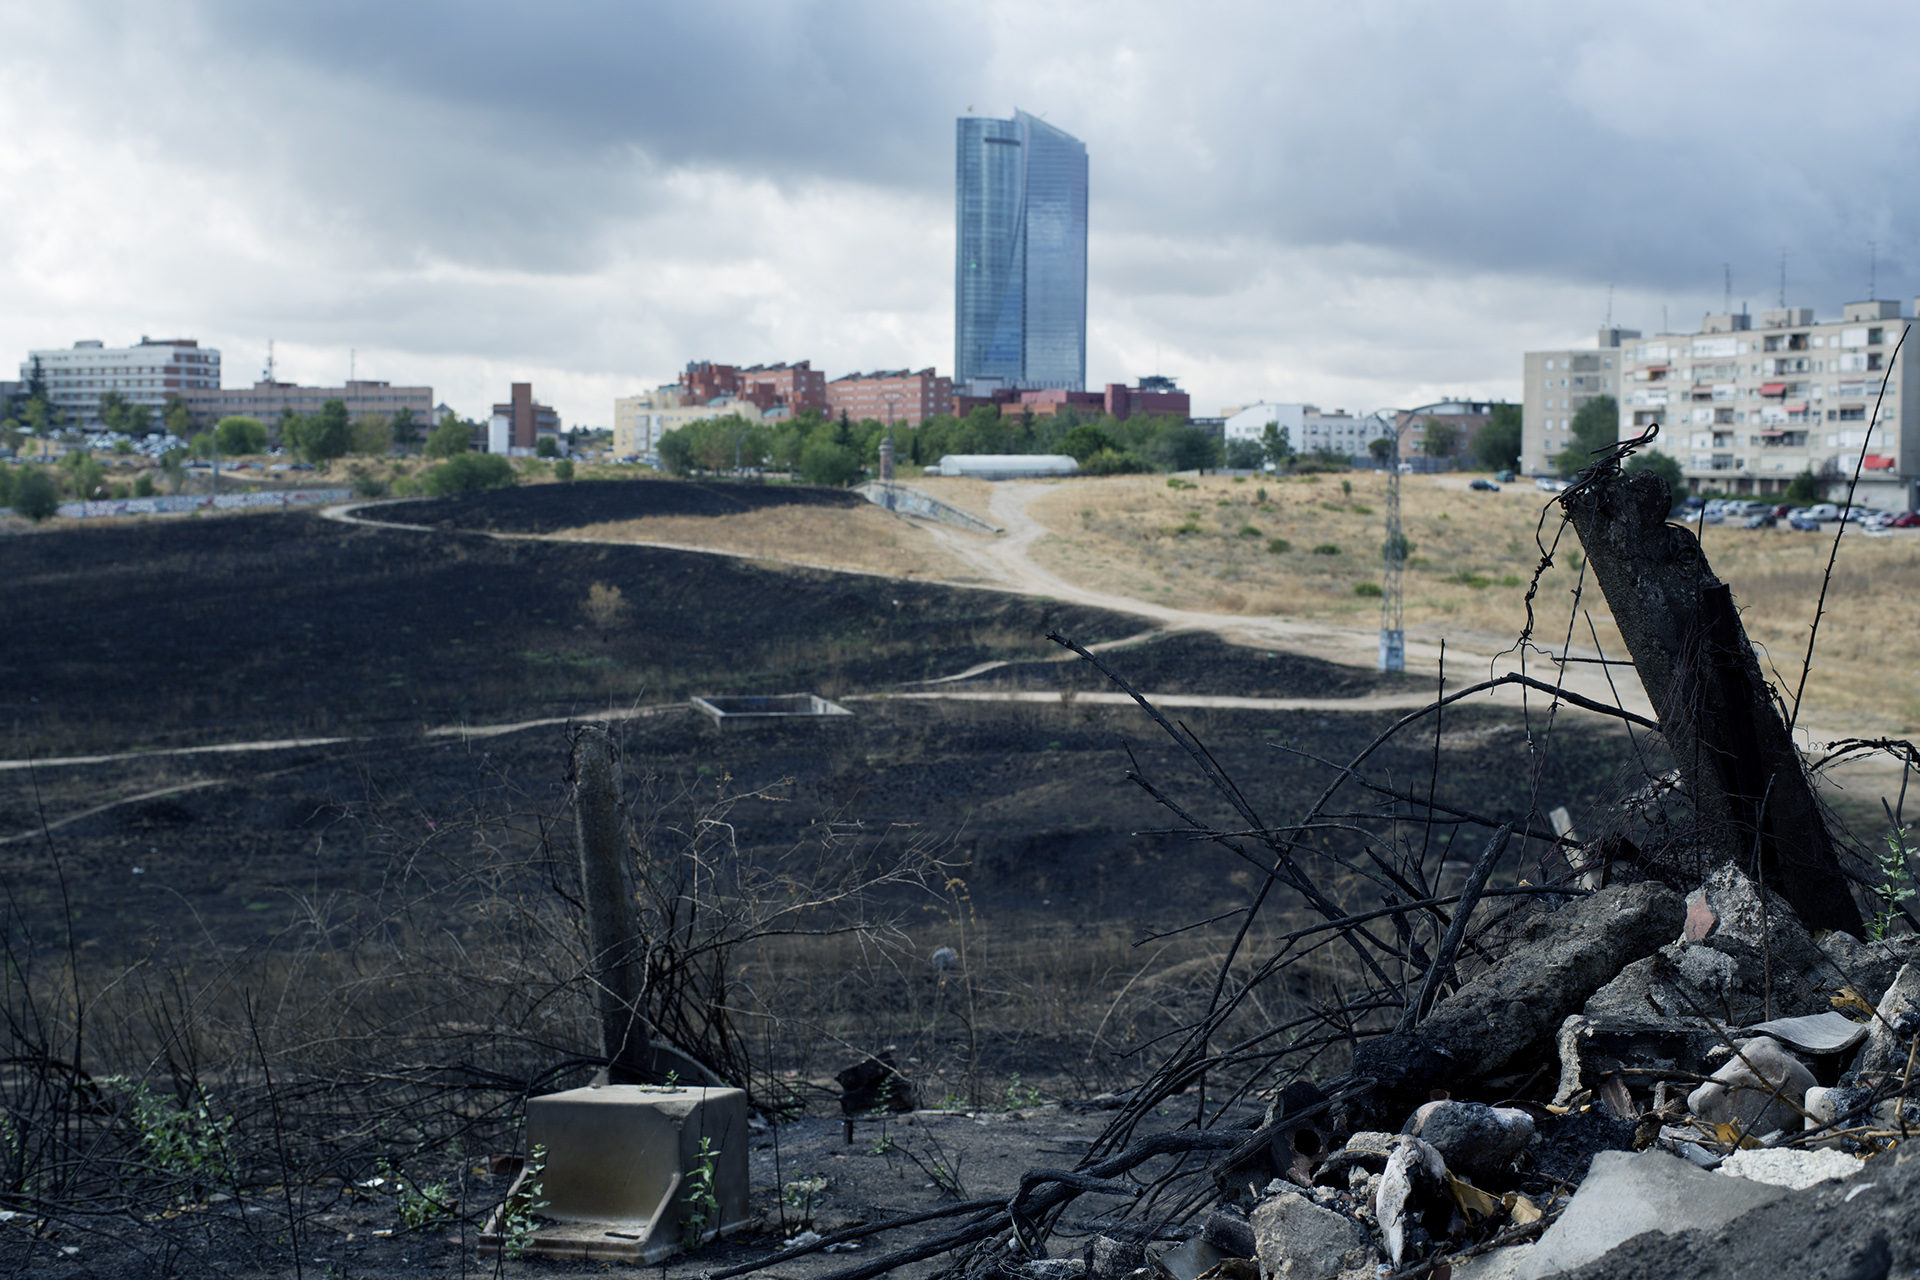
1020,255
1356,206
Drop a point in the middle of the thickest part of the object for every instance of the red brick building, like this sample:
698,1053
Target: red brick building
795,386
1154,395
900,395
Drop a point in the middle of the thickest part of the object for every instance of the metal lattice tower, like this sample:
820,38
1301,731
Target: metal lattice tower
1393,555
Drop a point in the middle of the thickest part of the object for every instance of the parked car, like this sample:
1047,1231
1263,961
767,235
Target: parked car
1801,520
1484,485
1503,476
1823,511
1783,510
1905,520
1761,520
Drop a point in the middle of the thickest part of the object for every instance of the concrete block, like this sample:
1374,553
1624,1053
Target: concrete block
618,1163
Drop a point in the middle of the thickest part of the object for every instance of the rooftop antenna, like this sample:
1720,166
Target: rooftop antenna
269,359
1609,323
1726,271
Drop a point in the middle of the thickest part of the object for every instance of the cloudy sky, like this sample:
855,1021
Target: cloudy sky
1359,204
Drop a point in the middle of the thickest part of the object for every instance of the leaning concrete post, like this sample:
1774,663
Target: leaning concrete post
1717,713
617,955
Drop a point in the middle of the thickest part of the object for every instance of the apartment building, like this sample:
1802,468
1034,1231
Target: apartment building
1466,417
795,387
269,401
902,396
639,421
518,425
1745,408
1557,385
146,373
1309,428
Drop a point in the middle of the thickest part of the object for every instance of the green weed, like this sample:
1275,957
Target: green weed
701,1200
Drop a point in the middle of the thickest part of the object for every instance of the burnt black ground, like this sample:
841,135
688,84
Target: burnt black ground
549,508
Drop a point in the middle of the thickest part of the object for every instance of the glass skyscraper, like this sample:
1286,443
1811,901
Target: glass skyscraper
1020,257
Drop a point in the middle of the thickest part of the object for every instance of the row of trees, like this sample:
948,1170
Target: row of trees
835,451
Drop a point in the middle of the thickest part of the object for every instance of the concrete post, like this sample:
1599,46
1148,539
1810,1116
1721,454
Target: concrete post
617,955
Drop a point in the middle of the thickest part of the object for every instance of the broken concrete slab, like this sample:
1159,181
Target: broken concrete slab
1624,1195
1828,1032
1513,1010
1296,1239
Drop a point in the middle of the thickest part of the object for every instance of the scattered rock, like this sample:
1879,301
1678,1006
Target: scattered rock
1296,1239
1701,917
1759,1091
875,1085
1410,1191
1867,967
1052,1269
1885,1053
1786,1167
1187,1261
1590,1051
1229,1231
1114,1257
1513,1010
1476,1141
1569,1143
1367,1150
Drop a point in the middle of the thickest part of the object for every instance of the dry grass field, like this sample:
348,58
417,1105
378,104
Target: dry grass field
865,538
1300,546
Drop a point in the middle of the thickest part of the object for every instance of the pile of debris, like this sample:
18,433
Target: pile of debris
1712,1057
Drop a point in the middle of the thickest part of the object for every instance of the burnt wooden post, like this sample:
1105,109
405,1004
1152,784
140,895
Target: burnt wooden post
617,954
1717,713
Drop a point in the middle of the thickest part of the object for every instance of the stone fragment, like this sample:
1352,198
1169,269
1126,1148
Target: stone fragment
1114,1257
1757,962
1366,1150
1759,1091
1789,1168
1590,1051
1623,1196
1187,1261
1701,917
1476,1140
1829,1032
1296,1239
1867,967
1229,1231
1409,1189
1885,1053
1511,1012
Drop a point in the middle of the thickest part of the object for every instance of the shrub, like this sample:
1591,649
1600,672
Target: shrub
1367,589
238,434
468,473
1248,531
546,447
1112,462
830,464
450,439
1279,546
1326,549
563,470
143,485
35,495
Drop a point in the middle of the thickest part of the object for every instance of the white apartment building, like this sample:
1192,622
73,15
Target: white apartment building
1745,409
1557,384
639,421
148,374
1308,428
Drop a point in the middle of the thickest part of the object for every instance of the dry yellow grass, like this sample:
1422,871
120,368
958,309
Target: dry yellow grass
1208,547
863,537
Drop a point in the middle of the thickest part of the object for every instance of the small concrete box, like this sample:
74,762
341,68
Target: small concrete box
618,1163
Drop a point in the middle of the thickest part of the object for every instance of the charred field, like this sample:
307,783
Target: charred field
382,917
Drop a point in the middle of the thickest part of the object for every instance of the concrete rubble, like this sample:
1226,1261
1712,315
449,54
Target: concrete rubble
1714,1061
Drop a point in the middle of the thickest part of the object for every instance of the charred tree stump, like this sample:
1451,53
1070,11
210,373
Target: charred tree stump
1717,713
617,961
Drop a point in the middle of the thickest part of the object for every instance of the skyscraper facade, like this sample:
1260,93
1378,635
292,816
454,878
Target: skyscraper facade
1020,259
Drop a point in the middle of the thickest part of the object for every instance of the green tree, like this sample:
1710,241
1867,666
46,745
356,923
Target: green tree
371,436
406,431
1440,438
1595,426
1178,446
86,478
113,411
322,436
35,496
178,420
563,470
824,462
173,465
202,445
143,485
237,434
1498,444
469,472
1664,465
546,447
1244,454
139,419
1085,440
12,435
1274,443
1381,447
1806,489
451,438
